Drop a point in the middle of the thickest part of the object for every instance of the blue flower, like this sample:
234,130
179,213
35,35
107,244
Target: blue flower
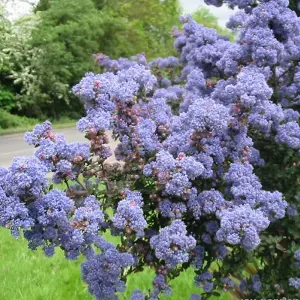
173,244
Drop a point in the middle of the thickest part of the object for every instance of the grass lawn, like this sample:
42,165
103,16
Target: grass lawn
28,126
29,275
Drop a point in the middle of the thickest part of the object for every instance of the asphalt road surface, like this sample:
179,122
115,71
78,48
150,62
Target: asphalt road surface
13,145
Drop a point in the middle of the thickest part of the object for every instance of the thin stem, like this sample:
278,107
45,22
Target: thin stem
80,183
67,184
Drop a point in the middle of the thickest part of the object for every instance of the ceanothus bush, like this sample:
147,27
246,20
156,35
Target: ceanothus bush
207,174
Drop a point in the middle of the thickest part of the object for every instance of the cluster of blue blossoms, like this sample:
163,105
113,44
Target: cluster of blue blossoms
295,282
185,193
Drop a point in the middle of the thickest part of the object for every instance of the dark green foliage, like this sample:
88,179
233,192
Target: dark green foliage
69,32
67,35
42,5
295,6
8,120
273,259
6,88
6,98
148,26
55,47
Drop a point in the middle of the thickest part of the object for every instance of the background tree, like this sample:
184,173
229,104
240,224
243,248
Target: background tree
69,33
204,16
6,90
149,25
16,70
49,51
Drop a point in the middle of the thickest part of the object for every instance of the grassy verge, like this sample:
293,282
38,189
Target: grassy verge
29,275
30,123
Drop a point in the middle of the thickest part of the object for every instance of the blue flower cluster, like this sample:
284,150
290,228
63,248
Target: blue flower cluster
102,272
252,284
242,225
137,295
172,244
40,132
25,179
295,283
205,280
129,214
245,188
160,285
63,159
206,203
188,130
13,214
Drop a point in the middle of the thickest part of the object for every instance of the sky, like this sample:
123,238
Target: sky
18,8
222,13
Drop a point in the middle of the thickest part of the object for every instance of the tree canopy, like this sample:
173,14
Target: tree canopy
69,32
54,47
204,16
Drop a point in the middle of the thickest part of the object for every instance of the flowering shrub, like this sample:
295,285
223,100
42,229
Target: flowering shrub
208,172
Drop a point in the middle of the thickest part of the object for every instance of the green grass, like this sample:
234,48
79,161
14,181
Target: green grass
29,275
15,124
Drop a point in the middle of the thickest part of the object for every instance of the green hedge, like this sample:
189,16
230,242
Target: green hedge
7,120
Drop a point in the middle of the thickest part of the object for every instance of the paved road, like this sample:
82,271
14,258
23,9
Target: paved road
13,145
